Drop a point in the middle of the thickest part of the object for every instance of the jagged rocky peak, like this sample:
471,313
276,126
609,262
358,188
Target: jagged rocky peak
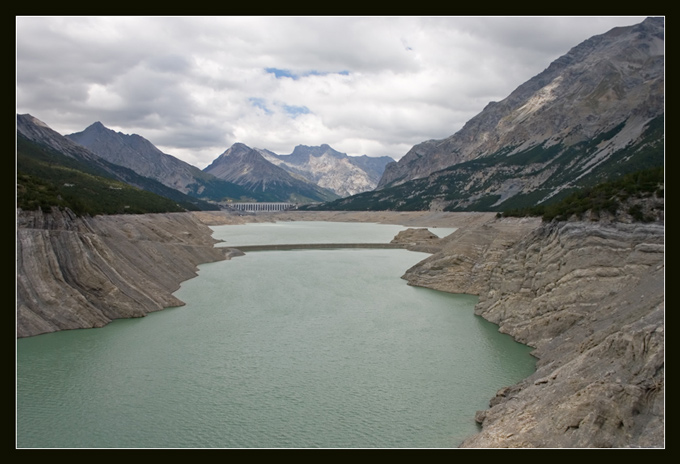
90,133
113,145
97,125
22,119
343,174
36,130
304,151
139,154
237,149
323,166
28,124
237,158
253,169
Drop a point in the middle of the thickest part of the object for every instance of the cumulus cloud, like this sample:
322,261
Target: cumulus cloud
194,86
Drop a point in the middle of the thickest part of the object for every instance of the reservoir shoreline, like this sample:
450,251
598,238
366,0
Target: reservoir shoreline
588,297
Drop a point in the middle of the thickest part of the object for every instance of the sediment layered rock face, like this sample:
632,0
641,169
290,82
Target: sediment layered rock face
590,298
467,257
418,240
84,272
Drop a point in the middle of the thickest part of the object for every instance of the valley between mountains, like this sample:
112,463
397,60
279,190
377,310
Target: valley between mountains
572,269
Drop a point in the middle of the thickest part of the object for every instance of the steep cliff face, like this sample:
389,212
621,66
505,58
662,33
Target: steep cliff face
332,170
590,298
84,272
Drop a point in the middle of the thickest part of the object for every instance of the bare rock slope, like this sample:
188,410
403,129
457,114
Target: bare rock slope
590,298
84,272
593,114
467,256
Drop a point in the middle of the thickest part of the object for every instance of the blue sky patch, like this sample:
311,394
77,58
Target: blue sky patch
259,103
294,111
280,73
290,110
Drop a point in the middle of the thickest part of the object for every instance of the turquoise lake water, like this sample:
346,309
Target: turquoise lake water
275,349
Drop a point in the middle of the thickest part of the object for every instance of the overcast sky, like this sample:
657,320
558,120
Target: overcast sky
194,86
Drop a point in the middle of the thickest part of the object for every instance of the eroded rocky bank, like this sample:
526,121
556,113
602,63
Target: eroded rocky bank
75,273
589,298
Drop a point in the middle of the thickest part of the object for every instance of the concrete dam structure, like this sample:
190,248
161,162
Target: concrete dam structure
283,206
318,246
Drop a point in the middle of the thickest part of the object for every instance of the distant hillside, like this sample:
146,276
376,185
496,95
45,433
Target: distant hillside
140,155
248,168
53,171
594,114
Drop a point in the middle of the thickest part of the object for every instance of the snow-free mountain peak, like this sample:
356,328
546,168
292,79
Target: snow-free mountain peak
592,115
251,169
343,174
139,154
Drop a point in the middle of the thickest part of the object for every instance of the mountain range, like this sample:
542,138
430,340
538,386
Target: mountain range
592,115
309,174
140,155
247,167
344,175
54,161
